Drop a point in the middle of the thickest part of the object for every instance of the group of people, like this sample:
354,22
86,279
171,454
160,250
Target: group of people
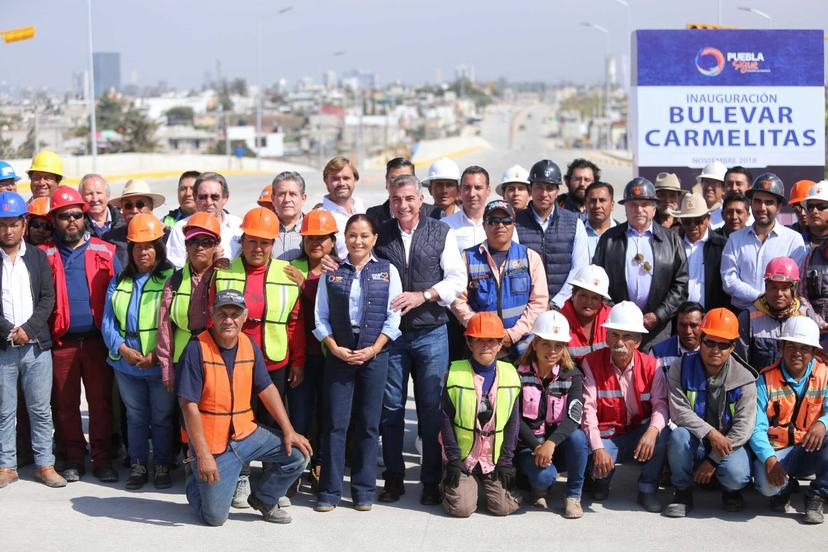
540,336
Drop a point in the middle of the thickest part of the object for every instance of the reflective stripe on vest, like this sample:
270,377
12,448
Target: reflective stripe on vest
147,309
180,312
509,295
461,392
578,352
694,382
789,416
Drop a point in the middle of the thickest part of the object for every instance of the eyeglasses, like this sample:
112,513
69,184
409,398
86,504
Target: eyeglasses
494,221
40,225
211,197
129,205
201,242
698,221
721,345
818,206
70,215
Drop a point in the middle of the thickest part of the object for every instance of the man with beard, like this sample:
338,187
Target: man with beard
579,175
669,192
341,177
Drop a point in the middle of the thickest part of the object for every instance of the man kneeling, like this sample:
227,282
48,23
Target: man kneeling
217,374
480,423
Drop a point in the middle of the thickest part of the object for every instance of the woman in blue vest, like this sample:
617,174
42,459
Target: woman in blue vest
552,402
354,321
130,327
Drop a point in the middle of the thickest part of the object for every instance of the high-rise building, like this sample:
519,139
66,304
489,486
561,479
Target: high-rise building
107,67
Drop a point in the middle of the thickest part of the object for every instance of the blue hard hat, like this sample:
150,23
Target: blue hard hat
12,204
7,171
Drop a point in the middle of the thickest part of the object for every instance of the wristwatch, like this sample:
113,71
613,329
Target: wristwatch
428,295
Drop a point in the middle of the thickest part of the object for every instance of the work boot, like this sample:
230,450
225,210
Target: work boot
431,495
813,508
732,501
73,473
572,507
242,492
138,477
681,504
780,503
7,477
105,473
537,498
649,501
393,490
49,477
162,478
273,514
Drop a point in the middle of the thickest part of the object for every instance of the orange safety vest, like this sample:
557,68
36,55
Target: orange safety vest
611,408
223,401
790,417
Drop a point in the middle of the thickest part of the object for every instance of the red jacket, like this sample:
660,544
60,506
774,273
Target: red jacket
579,343
611,408
100,268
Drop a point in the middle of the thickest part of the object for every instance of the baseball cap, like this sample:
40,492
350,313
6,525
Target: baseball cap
498,205
229,297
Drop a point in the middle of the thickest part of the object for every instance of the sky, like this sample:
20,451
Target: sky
179,41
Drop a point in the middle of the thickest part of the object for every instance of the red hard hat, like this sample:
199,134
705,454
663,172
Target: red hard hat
64,196
782,269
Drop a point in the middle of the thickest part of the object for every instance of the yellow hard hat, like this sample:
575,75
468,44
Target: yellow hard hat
47,161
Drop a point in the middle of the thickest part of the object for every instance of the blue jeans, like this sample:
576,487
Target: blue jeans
797,463
685,452
33,367
211,501
149,406
573,454
306,399
622,447
360,387
423,354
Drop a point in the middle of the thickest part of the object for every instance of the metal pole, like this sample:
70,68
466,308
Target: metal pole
607,94
258,95
93,131
227,141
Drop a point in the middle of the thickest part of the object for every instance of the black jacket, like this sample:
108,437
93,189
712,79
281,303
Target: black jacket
668,289
382,213
114,215
43,299
714,293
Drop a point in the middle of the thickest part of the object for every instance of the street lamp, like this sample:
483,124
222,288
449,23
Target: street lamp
259,84
606,32
760,13
93,131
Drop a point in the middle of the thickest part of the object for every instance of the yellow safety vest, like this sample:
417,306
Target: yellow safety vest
147,309
461,392
180,312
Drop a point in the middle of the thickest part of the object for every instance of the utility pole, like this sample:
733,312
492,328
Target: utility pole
93,130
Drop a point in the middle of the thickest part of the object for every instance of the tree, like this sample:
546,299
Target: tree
180,115
239,86
28,147
6,149
139,132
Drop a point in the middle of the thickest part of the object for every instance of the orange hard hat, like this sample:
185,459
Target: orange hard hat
318,222
486,325
720,323
144,227
204,221
265,198
66,196
39,207
261,222
799,191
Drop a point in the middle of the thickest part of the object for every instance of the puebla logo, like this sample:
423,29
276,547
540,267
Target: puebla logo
710,61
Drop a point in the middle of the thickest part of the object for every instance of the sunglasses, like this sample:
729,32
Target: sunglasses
129,205
722,346
817,206
40,225
212,197
202,242
70,215
698,221
494,221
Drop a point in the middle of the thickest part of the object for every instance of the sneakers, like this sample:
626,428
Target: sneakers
649,501
7,477
49,477
538,499
732,501
681,504
138,477
393,490
572,508
273,514
284,502
324,507
242,493
362,506
162,478
813,508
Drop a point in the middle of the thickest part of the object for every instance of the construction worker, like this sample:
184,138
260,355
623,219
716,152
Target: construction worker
713,408
816,207
748,250
8,178
443,183
184,311
130,327
85,265
218,375
645,262
813,288
135,198
504,277
551,408
579,175
481,422
791,417
186,199
39,224
557,235
761,324
288,198
625,407
101,216
28,300
586,311
600,203
711,181
686,339
355,321
394,168
669,193
45,173
514,187
265,198
796,199
341,177
274,313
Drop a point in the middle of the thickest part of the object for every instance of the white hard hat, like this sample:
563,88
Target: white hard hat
818,191
626,317
442,169
592,278
513,175
800,329
551,325
714,171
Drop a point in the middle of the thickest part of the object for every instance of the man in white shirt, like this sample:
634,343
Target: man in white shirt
211,194
341,177
600,203
467,222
